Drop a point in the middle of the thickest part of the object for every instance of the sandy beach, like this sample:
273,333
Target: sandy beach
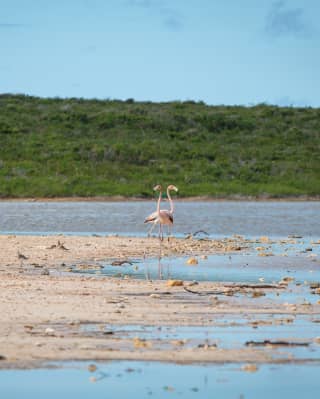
47,313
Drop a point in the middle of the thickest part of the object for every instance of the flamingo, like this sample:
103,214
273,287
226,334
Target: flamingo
163,216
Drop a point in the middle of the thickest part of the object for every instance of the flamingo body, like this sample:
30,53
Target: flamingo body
162,216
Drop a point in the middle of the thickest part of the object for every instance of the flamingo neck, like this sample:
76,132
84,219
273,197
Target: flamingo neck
158,204
170,200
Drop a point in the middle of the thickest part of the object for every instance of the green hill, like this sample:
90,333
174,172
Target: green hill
76,147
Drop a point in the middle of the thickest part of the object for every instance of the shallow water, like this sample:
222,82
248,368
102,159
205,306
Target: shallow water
223,218
227,332
160,380
221,268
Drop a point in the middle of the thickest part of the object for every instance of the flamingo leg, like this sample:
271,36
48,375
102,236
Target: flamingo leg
151,229
161,232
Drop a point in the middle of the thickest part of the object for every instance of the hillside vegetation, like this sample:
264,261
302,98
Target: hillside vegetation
76,147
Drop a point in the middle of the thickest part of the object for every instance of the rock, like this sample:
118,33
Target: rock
174,283
192,261
141,343
92,368
257,294
250,368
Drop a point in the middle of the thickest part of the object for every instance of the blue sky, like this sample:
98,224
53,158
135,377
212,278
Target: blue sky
217,51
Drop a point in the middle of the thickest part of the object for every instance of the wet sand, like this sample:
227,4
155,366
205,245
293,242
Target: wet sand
44,309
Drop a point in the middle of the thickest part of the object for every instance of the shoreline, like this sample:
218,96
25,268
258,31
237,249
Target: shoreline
50,313
119,198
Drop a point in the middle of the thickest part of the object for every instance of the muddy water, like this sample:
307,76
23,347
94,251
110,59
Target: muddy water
276,219
160,380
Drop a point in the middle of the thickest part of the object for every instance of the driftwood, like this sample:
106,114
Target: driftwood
59,245
207,292
276,343
240,285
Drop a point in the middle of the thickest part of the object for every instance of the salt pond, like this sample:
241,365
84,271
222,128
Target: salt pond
222,218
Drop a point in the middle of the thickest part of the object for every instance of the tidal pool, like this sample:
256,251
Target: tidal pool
227,332
161,380
220,268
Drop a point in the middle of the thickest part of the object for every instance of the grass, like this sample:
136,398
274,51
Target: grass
75,147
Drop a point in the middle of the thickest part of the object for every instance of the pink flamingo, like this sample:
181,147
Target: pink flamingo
162,216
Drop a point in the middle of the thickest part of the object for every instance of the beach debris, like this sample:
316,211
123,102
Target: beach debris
92,368
250,368
45,272
265,254
36,265
317,340
174,283
192,261
28,327
204,257
294,236
108,332
93,379
154,296
313,285
120,262
50,331
22,256
261,279
207,346
200,232
2,357
264,239
59,245
268,342
286,280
